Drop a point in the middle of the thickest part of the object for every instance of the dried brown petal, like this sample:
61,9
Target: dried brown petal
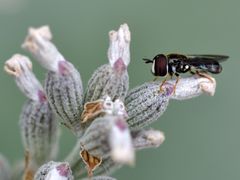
92,162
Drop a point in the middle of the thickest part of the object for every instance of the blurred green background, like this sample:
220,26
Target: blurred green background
202,134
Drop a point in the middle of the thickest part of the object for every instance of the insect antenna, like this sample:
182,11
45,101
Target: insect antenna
148,60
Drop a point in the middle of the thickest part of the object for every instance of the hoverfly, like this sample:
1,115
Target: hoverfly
176,64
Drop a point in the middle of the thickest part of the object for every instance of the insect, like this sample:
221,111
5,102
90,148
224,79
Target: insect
176,64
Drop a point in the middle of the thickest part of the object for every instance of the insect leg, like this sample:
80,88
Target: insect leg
177,80
163,82
156,78
192,72
205,75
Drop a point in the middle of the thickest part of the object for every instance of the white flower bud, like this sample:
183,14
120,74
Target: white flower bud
112,79
54,171
121,143
193,86
109,135
147,139
63,83
38,43
21,68
119,49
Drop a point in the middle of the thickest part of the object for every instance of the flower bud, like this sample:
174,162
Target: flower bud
21,68
102,107
146,103
37,121
121,143
54,171
64,92
119,47
109,135
38,43
194,86
147,139
63,83
112,79
39,131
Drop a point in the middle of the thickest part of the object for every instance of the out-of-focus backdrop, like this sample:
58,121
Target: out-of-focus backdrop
202,134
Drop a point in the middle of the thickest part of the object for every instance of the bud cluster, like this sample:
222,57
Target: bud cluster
107,120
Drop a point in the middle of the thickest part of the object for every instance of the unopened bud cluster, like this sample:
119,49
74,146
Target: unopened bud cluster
109,121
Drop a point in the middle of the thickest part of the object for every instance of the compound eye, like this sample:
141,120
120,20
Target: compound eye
160,65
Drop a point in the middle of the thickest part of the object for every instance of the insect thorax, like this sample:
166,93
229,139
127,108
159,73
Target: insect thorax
178,66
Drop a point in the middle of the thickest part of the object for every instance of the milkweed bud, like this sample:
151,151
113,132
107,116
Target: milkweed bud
54,171
112,79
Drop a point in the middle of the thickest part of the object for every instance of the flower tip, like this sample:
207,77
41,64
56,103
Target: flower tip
43,31
208,85
194,86
63,169
124,31
156,137
122,150
54,170
63,67
168,88
15,65
112,35
119,109
119,46
121,156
